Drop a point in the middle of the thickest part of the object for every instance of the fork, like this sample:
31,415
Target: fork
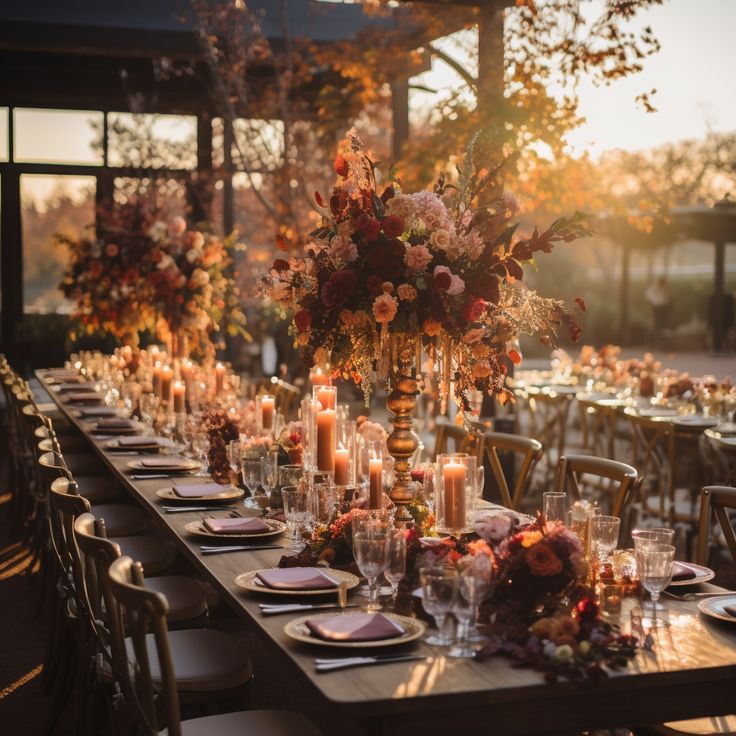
694,596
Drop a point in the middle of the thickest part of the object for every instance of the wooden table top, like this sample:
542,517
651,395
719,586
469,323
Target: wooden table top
690,672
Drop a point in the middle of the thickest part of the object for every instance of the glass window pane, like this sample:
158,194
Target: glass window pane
152,141
3,134
165,197
50,205
58,136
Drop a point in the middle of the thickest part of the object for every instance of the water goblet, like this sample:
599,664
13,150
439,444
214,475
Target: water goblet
655,535
554,504
296,511
371,548
270,472
654,564
234,451
438,592
464,607
605,531
396,569
485,574
251,469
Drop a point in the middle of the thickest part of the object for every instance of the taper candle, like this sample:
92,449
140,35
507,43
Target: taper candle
326,420
454,486
167,376
342,465
267,408
375,475
219,378
179,392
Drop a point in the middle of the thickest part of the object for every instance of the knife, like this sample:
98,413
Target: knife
272,609
221,550
328,665
180,509
152,476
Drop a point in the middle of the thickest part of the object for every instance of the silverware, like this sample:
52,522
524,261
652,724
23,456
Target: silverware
329,665
151,476
250,548
694,596
271,609
182,509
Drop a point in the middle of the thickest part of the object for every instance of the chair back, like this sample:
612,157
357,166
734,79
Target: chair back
145,612
530,450
446,431
716,499
625,479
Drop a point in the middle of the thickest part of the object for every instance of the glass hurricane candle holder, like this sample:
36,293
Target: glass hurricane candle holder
455,493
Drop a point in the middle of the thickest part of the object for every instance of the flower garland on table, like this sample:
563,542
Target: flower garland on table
389,272
222,428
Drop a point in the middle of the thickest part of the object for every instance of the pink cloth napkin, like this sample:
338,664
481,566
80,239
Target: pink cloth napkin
138,441
199,489
98,411
682,572
730,610
236,526
115,423
296,578
355,627
63,373
162,462
83,397
80,387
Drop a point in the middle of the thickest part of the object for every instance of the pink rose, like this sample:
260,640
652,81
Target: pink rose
177,226
457,285
417,257
385,308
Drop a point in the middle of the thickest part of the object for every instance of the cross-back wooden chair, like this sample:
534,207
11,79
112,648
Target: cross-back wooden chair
624,479
530,451
716,501
446,432
153,687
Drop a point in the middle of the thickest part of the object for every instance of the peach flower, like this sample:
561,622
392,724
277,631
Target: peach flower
417,257
384,308
407,293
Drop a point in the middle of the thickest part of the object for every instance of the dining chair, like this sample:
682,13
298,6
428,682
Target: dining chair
716,501
159,671
530,451
623,480
446,431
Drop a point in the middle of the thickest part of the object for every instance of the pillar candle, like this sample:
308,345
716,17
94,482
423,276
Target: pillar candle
326,421
267,407
219,377
157,378
319,378
186,369
179,392
375,474
342,463
327,396
454,485
167,376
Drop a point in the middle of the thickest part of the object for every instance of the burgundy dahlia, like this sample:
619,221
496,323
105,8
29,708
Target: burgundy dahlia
337,289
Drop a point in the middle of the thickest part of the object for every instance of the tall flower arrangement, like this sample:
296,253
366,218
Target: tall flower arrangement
431,270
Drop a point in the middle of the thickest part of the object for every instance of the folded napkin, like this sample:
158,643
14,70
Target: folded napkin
355,627
682,572
78,386
138,441
296,578
83,397
115,423
63,372
98,411
730,610
236,526
162,462
199,489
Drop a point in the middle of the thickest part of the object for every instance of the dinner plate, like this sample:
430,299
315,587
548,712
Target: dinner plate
229,493
155,444
198,529
135,429
714,607
695,420
656,413
413,630
247,581
702,574
183,465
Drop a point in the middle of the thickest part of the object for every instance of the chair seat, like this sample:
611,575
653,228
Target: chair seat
712,725
121,519
185,595
95,488
261,722
151,552
205,660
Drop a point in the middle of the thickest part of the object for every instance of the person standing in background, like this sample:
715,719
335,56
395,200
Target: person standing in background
658,296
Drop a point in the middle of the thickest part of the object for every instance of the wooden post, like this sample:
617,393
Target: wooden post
228,198
718,295
200,187
624,305
400,113
490,63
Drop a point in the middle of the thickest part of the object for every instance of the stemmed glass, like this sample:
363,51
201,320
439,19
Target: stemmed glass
270,472
485,575
428,490
438,592
200,446
554,505
464,606
296,511
605,531
654,565
371,547
396,569
147,407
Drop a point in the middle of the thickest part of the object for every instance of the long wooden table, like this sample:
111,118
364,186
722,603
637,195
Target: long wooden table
690,672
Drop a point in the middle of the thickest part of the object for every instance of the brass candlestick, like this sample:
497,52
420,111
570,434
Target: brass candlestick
402,443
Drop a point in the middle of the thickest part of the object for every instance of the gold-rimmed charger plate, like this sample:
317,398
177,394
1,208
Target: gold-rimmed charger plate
413,629
714,607
247,581
228,493
182,466
696,421
161,444
197,528
702,575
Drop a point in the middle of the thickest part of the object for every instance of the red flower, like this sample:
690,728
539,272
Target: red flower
393,226
303,320
473,308
374,284
369,226
442,281
337,289
581,304
542,560
341,166
280,265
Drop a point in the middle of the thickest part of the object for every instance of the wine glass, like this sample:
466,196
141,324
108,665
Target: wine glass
656,535
464,606
251,468
438,592
200,443
654,564
605,531
485,574
396,562
270,472
296,511
371,548
147,408
428,482
234,451
554,503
